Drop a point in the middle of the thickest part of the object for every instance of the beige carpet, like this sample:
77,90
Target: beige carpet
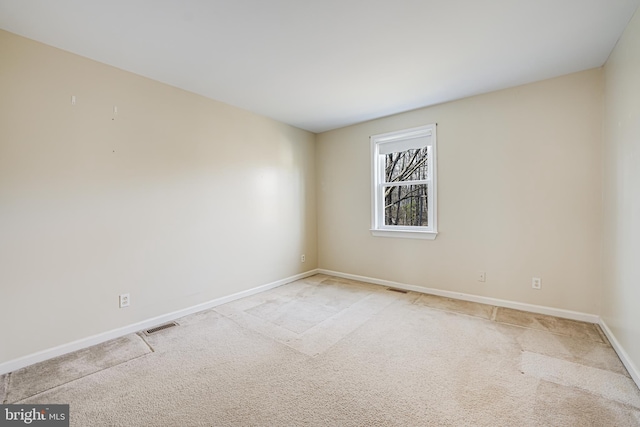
332,352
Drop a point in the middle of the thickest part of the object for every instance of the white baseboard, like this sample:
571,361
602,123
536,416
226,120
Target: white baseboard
566,314
557,312
624,357
60,350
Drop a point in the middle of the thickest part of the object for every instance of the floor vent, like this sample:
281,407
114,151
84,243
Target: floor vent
402,291
160,328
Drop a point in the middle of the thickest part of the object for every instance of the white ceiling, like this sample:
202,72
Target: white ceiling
324,64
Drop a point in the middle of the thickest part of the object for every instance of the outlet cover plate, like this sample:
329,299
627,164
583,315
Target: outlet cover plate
124,300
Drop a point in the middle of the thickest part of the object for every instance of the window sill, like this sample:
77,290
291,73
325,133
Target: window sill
405,234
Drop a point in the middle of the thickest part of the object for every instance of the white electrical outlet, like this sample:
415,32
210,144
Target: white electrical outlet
482,276
536,283
124,300
303,258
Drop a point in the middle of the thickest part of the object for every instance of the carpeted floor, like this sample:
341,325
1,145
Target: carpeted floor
332,352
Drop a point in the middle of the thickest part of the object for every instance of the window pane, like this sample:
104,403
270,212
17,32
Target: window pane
409,165
406,205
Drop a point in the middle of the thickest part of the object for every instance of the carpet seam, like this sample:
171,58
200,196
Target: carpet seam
261,334
602,334
453,312
6,388
587,391
592,393
397,299
494,320
73,380
139,334
554,333
295,349
463,371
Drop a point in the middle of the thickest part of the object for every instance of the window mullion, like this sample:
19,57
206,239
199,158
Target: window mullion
397,183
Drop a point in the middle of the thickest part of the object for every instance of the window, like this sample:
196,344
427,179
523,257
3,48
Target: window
404,183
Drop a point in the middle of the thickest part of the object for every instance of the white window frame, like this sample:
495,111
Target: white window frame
378,228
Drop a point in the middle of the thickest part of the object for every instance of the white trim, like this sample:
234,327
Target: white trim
60,350
50,353
378,182
406,234
551,311
416,132
624,357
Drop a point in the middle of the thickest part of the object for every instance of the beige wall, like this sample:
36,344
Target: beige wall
519,194
621,154
178,201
